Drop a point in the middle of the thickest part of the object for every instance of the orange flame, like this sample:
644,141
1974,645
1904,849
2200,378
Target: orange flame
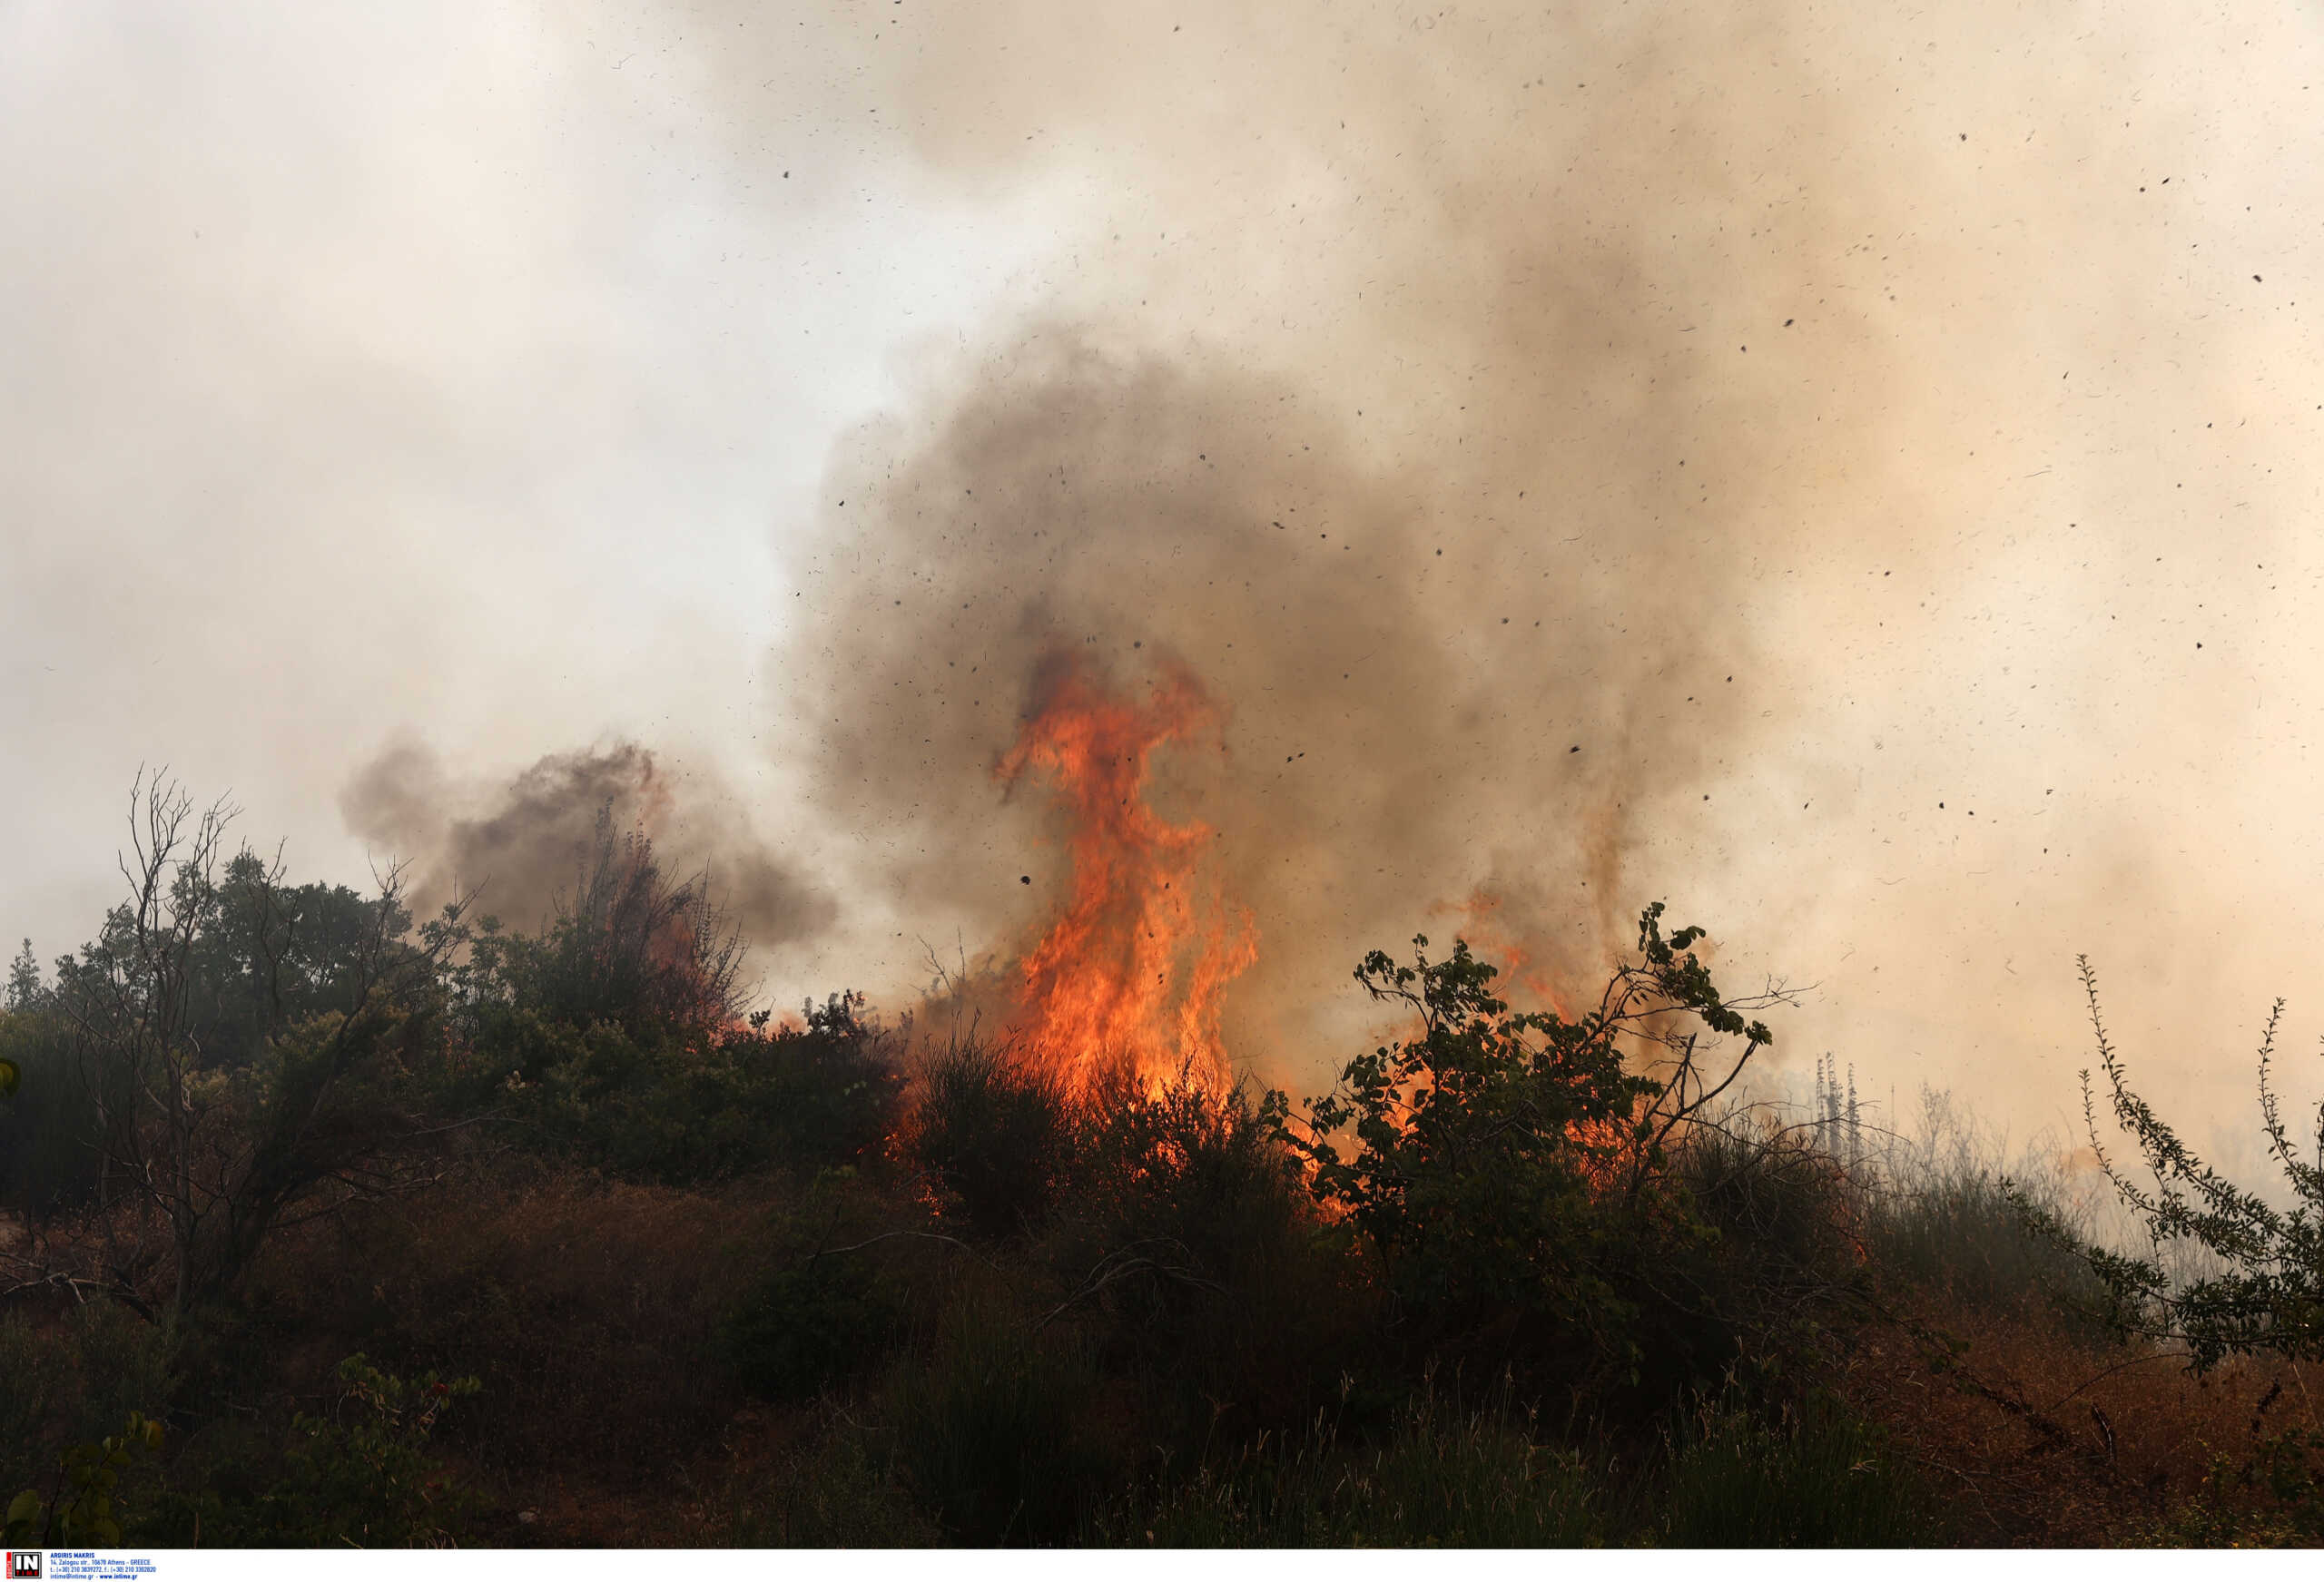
1134,969
1491,938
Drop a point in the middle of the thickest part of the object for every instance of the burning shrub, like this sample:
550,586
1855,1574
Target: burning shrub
992,1131
1187,1238
1185,1169
1510,1176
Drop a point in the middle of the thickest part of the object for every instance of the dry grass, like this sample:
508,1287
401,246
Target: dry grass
588,1309
592,1311
2036,1435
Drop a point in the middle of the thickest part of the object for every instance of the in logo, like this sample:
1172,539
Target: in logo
23,1564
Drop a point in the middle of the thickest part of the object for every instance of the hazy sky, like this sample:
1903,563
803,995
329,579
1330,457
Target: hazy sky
488,377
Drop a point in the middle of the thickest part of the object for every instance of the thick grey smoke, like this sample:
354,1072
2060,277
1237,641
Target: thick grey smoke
1430,679
1945,377
1780,460
519,846
1465,564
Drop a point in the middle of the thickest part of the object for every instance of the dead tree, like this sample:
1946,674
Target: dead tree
203,1159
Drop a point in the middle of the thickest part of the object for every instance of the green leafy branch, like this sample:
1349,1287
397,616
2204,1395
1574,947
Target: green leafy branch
82,1507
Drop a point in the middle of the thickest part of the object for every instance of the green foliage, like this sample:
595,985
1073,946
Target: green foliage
1442,1477
2271,1498
38,1372
235,1034
247,953
805,1328
362,1475
614,1037
993,1131
1184,1239
990,1428
1941,1212
1760,1259
67,1380
2265,1292
1510,1170
1813,1478
836,1491
48,1153
24,988
681,1108
84,1509
1186,1166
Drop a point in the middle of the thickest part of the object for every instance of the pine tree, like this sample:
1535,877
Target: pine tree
23,989
1856,1128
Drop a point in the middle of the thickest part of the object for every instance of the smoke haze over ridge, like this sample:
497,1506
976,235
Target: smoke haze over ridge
517,850
1476,280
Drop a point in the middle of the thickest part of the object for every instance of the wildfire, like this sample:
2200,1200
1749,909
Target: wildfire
1134,968
1481,920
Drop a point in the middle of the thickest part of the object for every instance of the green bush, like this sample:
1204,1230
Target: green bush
37,1382
83,1504
681,1108
834,1492
359,1475
63,1384
629,946
71,1380
1185,1167
1442,1477
1813,1478
1964,1234
1764,1258
49,1128
990,1429
1512,1171
1939,1210
1187,1242
805,1328
2272,1498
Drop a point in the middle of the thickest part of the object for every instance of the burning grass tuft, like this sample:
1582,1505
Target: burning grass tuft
991,1128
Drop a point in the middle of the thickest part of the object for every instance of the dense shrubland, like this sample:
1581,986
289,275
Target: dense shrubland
383,1233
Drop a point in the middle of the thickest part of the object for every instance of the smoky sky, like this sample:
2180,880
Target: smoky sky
515,849
1463,395
1597,457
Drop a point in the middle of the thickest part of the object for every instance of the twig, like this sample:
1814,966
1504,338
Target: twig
891,1235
